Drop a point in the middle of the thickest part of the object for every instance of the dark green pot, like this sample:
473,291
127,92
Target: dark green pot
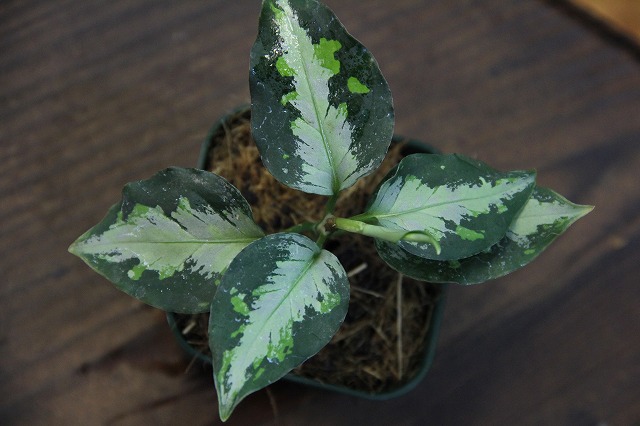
434,324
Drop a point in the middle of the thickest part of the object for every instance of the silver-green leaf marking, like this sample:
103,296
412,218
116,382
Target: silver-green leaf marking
173,253
545,216
463,204
321,111
280,302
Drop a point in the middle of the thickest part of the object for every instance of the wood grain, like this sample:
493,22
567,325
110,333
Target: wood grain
95,94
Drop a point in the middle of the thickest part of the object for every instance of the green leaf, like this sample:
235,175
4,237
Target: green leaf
279,303
322,114
465,205
545,217
171,237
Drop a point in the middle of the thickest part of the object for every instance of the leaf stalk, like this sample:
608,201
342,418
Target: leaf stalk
393,235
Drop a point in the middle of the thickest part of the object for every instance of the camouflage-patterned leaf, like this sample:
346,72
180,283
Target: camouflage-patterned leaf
463,204
322,114
171,237
280,302
545,216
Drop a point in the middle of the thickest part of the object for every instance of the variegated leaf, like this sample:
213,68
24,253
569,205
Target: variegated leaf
545,216
280,302
171,237
465,205
322,114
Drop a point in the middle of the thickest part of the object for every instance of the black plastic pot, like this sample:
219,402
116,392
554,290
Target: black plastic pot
434,324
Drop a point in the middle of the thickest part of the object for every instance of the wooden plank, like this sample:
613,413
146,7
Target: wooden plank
95,94
621,15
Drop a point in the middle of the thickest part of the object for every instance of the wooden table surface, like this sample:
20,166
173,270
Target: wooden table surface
94,94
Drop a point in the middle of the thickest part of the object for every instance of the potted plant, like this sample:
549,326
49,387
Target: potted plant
186,241
387,341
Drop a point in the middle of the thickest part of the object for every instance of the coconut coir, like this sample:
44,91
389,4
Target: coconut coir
381,343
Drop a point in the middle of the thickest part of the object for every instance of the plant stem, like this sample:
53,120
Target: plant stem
321,239
331,204
393,235
321,229
302,227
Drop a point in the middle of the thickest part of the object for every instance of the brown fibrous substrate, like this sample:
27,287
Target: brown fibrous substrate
381,343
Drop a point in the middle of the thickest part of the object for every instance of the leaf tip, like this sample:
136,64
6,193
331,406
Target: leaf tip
584,210
224,412
74,248
226,404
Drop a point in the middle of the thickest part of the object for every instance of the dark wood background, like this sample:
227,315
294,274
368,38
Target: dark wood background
94,94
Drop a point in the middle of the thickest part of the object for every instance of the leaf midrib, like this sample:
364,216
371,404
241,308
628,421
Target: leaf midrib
201,242
417,209
335,181
286,297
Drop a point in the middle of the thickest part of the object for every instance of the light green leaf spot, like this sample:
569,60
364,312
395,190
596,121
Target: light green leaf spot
454,264
288,97
355,86
238,332
283,68
277,12
325,52
329,302
468,234
136,272
239,305
259,373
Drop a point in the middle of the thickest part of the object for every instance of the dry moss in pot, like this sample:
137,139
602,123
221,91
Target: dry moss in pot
388,339
277,280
